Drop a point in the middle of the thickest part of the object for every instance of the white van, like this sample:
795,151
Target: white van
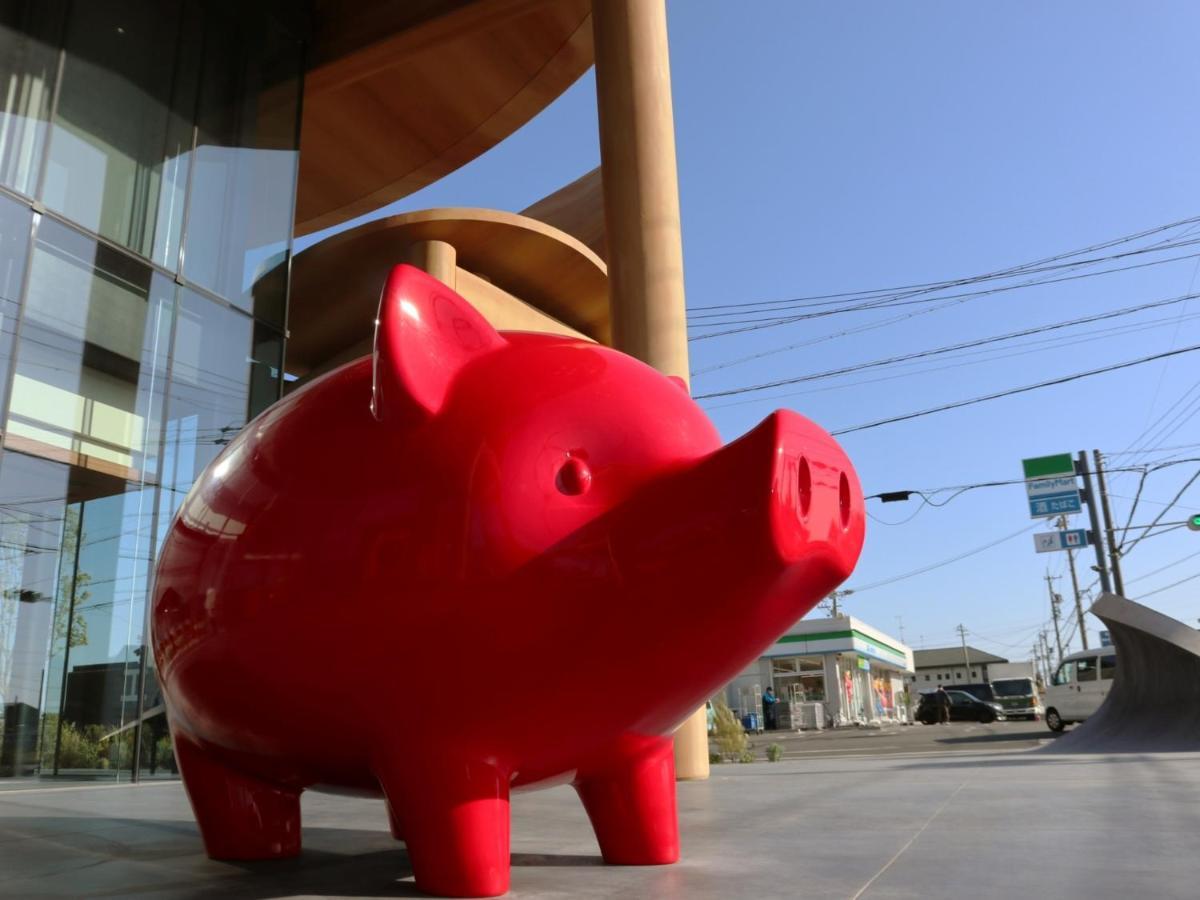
1079,686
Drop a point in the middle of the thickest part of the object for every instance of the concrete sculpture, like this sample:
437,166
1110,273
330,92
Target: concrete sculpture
1154,703
443,572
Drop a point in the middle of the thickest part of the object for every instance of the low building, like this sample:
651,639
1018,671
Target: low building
856,672
948,666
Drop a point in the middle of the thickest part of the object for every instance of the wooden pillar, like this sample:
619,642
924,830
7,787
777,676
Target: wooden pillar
435,257
641,214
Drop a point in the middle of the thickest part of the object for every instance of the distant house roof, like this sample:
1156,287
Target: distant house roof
944,657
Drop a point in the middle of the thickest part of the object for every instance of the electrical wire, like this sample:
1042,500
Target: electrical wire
748,325
964,358
1010,270
945,562
1168,587
950,348
891,420
1163,568
1121,547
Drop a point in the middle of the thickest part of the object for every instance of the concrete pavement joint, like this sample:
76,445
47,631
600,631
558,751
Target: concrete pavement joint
937,812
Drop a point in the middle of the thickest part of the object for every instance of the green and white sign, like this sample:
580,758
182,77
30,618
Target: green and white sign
1050,485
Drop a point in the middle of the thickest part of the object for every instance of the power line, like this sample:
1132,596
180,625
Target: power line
1036,345
945,562
1163,568
1010,392
936,351
1121,548
1011,270
1168,587
877,295
747,325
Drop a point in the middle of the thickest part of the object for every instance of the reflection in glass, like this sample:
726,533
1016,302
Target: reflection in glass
30,532
16,220
122,129
86,408
29,35
240,213
210,383
81,393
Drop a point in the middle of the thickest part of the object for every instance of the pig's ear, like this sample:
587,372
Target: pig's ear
680,383
424,334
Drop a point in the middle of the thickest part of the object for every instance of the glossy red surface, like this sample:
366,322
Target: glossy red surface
475,563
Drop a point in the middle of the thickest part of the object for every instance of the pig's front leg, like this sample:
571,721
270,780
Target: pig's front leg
631,802
453,816
240,817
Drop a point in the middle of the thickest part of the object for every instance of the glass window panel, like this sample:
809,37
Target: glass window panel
122,129
240,209
29,37
1108,667
89,377
84,431
210,389
1086,670
30,532
1065,673
16,221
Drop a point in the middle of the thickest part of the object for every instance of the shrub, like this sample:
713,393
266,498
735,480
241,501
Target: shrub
715,758
746,756
775,752
728,732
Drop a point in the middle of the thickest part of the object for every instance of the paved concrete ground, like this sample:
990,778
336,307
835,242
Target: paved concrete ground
1016,824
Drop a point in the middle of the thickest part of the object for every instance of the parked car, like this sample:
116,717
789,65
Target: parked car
981,691
1079,686
964,707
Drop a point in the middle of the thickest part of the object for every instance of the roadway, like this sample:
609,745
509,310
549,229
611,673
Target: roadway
955,737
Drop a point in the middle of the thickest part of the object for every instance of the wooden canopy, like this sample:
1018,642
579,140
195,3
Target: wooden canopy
402,92
510,264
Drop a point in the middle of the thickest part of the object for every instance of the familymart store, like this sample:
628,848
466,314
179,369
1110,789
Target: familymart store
839,670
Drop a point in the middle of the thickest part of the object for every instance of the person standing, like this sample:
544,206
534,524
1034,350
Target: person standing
943,706
769,700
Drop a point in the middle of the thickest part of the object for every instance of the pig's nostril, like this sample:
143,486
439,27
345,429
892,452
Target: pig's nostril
804,486
844,499
574,478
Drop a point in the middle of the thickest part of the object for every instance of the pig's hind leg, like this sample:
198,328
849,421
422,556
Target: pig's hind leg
631,803
454,818
240,817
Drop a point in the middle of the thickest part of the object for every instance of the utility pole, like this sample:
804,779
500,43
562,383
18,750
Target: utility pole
900,627
834,596
1114,554
1062,523
1055,599
1089,497
1046,652
962,633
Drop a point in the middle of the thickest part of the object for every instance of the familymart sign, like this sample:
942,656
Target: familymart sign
1050,485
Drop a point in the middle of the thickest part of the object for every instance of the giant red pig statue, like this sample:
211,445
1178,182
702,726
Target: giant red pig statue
472,563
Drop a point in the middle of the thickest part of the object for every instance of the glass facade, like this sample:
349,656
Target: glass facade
148,156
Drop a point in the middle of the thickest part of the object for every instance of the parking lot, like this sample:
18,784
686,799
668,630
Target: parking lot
956,737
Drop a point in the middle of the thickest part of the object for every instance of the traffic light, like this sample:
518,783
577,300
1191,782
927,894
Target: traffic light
1193,522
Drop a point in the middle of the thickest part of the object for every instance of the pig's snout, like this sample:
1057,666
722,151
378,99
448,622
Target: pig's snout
816,502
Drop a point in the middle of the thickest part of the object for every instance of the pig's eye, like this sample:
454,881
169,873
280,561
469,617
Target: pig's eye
574,477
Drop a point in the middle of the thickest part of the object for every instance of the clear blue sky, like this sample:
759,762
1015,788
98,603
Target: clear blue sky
838,147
